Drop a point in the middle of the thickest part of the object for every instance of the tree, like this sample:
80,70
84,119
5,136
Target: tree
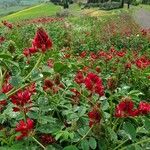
66,4
122,3
18,2
128,4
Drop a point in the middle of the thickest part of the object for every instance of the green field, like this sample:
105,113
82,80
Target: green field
12,7
41,10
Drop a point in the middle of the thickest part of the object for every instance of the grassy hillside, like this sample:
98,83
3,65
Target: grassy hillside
33,12
11,6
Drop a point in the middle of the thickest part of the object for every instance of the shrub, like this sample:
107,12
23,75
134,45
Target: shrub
104,6
110,5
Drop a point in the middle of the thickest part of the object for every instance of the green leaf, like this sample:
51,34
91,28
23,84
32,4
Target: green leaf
112,134
16,81
130,130
5,56
147,123
58,135
3,96
70,147
85,144
60,67
92,143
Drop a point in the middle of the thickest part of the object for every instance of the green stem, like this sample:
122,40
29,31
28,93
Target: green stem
115,123
2,76
140,142
120,144
111,109
38,143
13,91
84,136
36,65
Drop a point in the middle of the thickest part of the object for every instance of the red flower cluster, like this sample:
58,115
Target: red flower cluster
5,89
47,139
112,83
94,84
76,96
94,116
41,20
25,128
144,32
6,85
22,101
142,62
50,63
2,39
31,88
41,42
79,78
52,86
2,104
83,54
128,66
126,109
7,24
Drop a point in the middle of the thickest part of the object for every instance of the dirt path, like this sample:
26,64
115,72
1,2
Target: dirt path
142,17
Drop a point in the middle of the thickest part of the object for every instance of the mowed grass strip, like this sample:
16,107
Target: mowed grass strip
42,10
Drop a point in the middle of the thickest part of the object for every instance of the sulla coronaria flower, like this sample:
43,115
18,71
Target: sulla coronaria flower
94,84
79,78
41,43
25,128
125,109
22,101
94,116
47,139
42,40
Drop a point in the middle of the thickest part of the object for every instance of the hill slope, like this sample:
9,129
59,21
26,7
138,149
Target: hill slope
47,9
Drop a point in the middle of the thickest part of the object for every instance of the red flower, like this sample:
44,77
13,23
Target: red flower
48,84
128,66
24,128
144,32
98,69
41,40
31,88
26,52
79,78
121,53
144,108
142,62
2,39
7,24
2,104
83,54
112,83
6,87
125,109
94,84
50,63
94,116
22,101
93,55
47,139
76,96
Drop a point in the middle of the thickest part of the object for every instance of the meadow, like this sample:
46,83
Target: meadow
80,82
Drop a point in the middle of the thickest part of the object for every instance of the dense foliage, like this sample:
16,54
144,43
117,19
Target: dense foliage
74,84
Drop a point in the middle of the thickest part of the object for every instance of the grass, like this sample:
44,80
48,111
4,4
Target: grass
13,7
33,12
10,10
147,7
49,9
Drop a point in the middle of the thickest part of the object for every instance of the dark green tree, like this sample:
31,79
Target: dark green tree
122,3
65,4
